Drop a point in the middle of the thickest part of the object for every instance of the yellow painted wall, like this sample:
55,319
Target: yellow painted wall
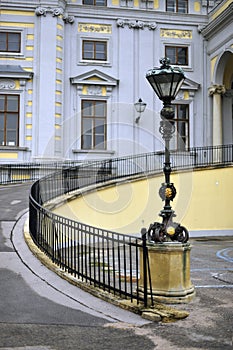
10,155
203,202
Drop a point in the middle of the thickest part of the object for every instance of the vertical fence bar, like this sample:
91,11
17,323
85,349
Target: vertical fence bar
108,262
137,270
124,263
144,250
103,260
131,269
94,256
113,264
119,263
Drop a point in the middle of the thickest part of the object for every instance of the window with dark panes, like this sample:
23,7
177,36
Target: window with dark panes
94,50
10,42
177,54
9,120
182,127
95,2
180,6
93,124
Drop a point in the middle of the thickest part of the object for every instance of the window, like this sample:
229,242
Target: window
93,124
177,54
9,120
95,2
94,50
182,127
180,6
10,42
126,3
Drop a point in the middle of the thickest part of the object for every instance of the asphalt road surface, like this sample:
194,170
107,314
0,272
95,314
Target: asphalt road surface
40,311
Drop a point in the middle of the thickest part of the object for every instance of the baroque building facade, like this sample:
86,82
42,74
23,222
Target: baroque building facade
71,71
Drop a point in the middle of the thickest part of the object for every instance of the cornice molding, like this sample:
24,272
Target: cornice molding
135,24
14,72
55,12
218,23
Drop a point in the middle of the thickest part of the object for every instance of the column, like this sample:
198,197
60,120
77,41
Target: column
217,91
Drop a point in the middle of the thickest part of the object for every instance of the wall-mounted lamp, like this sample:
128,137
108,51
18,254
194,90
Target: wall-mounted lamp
140,108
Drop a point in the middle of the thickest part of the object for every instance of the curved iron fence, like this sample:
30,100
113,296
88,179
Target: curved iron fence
118,167
103,258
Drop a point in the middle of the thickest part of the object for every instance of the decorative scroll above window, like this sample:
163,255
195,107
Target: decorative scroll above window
95,28
135,24
94,90
56,11
13,77
176,33
7,84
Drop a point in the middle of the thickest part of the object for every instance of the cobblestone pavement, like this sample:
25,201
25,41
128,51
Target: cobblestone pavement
37,311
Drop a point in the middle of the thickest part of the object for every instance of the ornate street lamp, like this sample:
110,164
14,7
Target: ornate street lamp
166,82
140,107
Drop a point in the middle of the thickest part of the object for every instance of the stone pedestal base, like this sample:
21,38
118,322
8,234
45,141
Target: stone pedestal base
170,272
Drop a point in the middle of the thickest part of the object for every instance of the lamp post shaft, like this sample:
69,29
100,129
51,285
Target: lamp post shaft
167,171
167,191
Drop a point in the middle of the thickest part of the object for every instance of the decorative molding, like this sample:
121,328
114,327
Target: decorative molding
180,96
200,28
95,28
94,90
94,77
216,89
41,11
13,72
94,83
68,19
7,84
55,12
135,24
176,33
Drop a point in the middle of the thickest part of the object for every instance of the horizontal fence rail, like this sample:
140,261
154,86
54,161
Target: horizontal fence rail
99,171
21,172
103,258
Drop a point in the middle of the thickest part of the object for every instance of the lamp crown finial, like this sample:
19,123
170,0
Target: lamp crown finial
165,62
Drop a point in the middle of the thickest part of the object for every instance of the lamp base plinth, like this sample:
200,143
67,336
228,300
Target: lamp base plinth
170,273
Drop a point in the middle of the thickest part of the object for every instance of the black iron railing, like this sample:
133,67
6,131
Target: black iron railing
118,167
22,172
103,258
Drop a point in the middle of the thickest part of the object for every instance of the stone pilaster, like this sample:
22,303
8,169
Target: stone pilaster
217,91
